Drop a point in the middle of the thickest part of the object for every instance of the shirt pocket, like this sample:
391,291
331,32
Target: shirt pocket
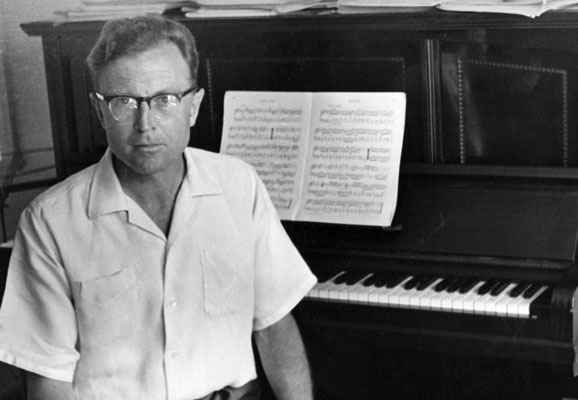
105,307
224,292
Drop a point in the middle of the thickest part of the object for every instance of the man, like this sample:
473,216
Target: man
147,275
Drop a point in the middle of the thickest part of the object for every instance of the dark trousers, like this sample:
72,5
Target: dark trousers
249,391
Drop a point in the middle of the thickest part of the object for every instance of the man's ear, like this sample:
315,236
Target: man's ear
196,106
96,103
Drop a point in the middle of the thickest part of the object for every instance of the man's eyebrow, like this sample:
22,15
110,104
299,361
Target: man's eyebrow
158,93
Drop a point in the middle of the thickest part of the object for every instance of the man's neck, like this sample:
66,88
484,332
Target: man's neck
156,194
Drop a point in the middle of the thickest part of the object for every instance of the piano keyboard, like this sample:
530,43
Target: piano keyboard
428,292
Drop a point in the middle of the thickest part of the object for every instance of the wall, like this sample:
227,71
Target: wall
24,115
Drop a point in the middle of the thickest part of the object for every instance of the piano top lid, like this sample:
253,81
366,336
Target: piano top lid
526,224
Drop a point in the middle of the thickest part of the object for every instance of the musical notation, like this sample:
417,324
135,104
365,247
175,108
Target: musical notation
339,115
326,157
264,132
268,114
339,172
263,151
333,206
352,135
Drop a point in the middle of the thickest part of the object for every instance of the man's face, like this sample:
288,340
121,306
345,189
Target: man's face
145,144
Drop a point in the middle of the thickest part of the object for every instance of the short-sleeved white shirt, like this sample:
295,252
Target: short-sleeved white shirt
96,294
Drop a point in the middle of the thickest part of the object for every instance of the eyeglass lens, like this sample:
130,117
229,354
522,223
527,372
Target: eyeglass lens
163,106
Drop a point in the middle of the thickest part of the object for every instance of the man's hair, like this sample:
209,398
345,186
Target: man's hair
132,36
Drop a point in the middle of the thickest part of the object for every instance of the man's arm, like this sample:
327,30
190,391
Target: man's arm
284,360
41,388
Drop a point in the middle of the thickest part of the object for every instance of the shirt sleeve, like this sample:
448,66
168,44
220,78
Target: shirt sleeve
37,319
282,278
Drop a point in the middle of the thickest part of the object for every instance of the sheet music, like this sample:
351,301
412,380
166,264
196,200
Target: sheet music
324,157
354,155
268,130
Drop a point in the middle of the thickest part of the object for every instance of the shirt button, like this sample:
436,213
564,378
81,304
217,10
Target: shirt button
173,302
175,355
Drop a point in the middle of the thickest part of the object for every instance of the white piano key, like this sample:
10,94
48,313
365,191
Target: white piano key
502,305
514,305
391,297
491,305
338,291
425,297
415,300
447,300
436,300
344,289
465,303
345,292
323,289
404,298
524,306
479,303
314,292
363,294
373,296
355,291
334,290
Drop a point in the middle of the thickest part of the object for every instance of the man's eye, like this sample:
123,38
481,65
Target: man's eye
124,101
164,100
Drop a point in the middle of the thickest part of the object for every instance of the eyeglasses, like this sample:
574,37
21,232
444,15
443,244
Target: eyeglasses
163,106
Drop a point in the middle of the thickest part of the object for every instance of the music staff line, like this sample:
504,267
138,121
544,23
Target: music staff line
344,206
268,114
264,132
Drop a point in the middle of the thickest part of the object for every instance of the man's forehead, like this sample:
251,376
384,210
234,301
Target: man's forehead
157,69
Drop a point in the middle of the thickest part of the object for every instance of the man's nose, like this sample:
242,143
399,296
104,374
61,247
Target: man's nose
145,118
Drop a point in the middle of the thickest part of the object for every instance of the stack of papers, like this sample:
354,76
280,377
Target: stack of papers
95,10
529,8
384,6
253,8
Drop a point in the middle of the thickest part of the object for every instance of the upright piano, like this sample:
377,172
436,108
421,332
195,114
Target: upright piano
470,293
478,273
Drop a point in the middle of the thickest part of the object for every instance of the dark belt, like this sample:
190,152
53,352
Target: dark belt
249,391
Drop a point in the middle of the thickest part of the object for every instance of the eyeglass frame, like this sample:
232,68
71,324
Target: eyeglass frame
141,99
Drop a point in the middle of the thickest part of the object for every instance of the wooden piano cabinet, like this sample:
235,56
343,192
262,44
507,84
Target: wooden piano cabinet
482,89
489,178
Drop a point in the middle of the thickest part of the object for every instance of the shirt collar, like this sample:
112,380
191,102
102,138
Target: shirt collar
200,179
107,196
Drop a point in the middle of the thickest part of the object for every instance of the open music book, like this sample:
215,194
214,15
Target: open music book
324,157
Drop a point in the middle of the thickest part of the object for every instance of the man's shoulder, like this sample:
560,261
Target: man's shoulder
60,193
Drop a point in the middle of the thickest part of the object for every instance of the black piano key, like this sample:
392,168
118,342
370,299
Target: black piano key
370,280
355,277
341,278
487,287
443,285
534,287
519,289
426,282
454,285
413,282
468,285
499,288
380,280
325,275
395,279
349,277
